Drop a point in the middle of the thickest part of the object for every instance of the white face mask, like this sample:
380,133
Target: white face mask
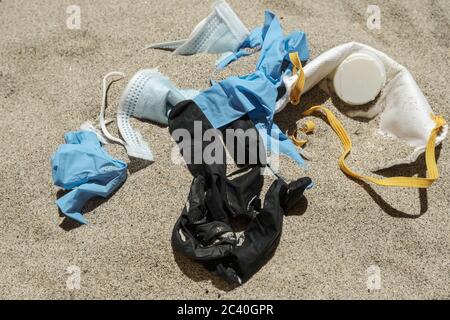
222,31
404,111
149,95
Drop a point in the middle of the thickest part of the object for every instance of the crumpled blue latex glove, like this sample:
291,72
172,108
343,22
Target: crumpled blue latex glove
256,94
84,167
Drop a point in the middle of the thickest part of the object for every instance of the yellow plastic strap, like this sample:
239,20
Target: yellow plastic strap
298,142
409,182
299,85
308,127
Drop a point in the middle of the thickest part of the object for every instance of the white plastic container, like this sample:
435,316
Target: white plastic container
359,78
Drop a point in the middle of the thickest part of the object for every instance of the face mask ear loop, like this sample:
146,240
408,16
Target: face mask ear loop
300,84
106,85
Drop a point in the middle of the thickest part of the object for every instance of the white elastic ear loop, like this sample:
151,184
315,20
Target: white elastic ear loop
103,108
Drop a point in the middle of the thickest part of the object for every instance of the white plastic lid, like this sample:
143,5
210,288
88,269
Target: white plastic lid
359,78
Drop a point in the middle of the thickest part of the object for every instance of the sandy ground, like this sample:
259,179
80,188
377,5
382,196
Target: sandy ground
50,83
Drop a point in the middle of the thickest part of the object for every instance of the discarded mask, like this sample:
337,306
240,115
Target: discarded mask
222,31
404,111
204,230
149,95
84,167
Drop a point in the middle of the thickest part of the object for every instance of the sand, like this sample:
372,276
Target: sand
50,83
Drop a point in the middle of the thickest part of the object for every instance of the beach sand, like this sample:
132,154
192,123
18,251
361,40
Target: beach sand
50,83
